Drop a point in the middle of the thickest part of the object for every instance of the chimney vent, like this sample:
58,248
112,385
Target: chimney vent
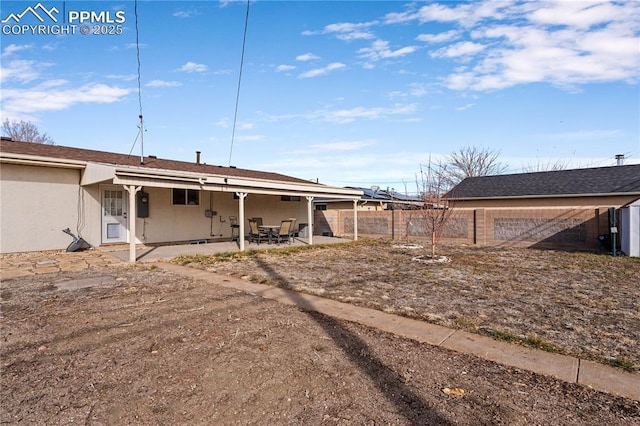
198,157
619,159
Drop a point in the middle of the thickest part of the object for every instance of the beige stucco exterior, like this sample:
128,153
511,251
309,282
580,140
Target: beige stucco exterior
172,223
41,196
36,203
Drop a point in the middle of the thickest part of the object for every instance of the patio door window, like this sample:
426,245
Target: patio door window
114,215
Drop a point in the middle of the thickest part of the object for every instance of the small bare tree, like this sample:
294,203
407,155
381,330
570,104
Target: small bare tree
549,166
471,161
435,208
25,131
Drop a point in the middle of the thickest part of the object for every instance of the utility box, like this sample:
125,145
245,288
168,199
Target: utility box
630,236
142,207
303,230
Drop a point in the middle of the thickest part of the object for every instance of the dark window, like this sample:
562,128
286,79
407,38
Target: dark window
184,197
290,198
321,206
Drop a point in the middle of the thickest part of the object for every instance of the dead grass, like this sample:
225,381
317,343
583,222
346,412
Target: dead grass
583,304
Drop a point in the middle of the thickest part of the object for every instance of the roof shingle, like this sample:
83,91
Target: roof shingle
592,181
151,162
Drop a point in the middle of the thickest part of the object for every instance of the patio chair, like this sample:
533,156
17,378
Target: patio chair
294,229
255,234
284,234
258,220
235,228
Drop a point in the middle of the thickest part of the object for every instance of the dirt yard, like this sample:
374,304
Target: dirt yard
582,304
144,346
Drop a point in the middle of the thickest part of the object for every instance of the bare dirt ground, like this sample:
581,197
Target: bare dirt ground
576,303
149,347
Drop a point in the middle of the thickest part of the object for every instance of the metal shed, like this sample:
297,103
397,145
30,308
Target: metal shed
630,236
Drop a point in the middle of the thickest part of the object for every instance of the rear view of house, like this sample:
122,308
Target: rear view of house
110,198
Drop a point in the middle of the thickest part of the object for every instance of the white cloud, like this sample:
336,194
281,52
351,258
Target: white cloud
123,77
186,13
51,96
162,83
464,48
21,70
564,43
380,50
347,31
464,107
415,89
283,68
350,115
322,71
576,14
440,37
307,57
342,116
13,48
193,67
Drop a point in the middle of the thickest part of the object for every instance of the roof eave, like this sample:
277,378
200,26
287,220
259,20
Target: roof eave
512,197
36,160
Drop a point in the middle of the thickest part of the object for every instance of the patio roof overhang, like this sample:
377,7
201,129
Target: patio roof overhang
159,178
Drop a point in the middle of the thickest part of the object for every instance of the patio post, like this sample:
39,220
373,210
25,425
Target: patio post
310,218
241,197
355,220
132,190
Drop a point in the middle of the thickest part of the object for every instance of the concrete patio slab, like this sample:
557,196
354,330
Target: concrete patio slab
85,283
168,252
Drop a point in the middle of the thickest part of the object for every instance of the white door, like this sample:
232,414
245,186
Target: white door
114,215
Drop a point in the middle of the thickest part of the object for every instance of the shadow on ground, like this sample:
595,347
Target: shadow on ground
390,384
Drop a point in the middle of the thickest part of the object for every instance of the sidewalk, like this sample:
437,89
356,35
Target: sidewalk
597,376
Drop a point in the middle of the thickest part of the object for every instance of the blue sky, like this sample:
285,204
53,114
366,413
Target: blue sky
350,93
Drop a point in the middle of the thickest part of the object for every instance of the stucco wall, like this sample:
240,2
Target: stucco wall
36,203
171,223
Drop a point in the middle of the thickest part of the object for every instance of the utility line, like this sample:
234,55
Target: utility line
235,114
141,129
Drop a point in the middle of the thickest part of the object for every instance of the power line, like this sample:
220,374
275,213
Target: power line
235,114
141,129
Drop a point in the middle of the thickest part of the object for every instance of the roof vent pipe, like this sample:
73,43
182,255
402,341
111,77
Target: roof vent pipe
198,157
619,159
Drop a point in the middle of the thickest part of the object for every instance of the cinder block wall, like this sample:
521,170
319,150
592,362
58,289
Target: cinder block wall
567,228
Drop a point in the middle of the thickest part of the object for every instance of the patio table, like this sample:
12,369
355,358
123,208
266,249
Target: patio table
271,229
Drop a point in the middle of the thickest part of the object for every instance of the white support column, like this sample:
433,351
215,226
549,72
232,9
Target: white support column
355,220
310,219
241,197
132,190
